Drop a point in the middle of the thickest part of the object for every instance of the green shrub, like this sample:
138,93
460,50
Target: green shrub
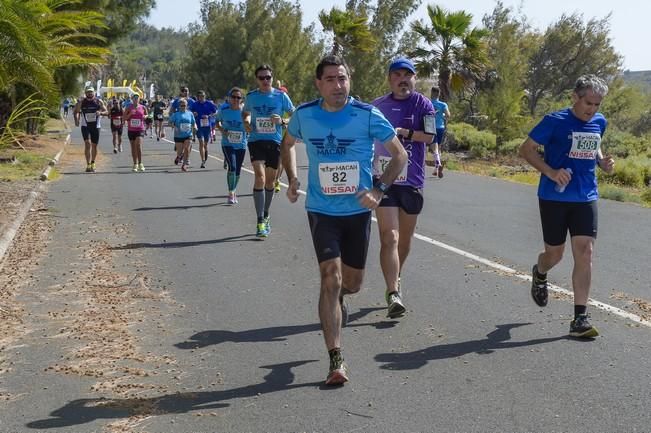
646,195
623,144
462,136
510,147
634,172
617,193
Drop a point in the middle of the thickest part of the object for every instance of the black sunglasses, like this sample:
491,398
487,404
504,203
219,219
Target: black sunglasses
265,78
236,97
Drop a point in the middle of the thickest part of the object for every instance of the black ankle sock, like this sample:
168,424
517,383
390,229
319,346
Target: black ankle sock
335,354
539,276
580,310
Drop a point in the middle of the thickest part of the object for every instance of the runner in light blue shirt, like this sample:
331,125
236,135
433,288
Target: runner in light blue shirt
339,135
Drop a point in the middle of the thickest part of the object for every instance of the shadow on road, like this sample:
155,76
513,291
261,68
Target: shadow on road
496,340
86,410
134,246
275,333
203,197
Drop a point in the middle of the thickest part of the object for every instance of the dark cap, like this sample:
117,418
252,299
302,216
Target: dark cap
402,63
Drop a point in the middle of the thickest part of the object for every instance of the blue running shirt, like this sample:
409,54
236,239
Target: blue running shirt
235,135
262,105
205,108
182,122
340,151
570,143
440,108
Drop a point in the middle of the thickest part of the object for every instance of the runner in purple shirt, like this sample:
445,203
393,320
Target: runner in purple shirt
412,115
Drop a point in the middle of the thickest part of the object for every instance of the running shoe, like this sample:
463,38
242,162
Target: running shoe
203,164
177,160
157,138
93,167
135,168
539,291
141,167
184,167
395,307
231,198
344,311
115,150
267,223
277,186
580,327
235,198
261,230
338,374
88,168
439,171
120,148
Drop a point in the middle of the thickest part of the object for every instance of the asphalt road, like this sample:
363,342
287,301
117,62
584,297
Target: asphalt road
236,327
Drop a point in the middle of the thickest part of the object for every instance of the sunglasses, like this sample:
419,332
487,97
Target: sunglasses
265,78
236,97
183,105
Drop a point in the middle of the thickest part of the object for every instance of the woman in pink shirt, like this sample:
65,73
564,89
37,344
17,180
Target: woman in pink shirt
134,116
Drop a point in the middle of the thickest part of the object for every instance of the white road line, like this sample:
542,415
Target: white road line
554,288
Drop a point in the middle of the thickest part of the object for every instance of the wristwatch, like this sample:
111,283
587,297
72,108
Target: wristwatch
383,187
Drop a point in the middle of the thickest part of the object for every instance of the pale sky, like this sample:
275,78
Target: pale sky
630,29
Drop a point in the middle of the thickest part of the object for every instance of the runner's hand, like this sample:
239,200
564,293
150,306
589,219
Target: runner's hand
370,198
292,190
607,163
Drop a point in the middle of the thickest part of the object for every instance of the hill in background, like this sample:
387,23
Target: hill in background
641,78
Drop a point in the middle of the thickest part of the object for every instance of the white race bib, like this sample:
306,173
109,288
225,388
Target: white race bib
135,123
204,122
380,165
91,117
337,178
264,125
235,137
185,127
585,145
117,121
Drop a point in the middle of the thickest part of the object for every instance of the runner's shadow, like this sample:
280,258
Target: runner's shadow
496,340
202,197
141,209
275,333
139,245
81,411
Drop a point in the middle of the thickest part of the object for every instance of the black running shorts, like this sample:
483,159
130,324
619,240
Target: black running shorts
90,132
341,236
405,197
559,217
265,150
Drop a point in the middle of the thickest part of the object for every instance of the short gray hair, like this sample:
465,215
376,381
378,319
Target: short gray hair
590,81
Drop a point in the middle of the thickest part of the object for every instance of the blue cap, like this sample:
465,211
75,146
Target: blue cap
402,63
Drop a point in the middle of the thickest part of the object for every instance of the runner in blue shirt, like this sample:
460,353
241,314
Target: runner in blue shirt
183,123
262,115
567,193
339,134
234,139
203,110
174,107
412,114
442,116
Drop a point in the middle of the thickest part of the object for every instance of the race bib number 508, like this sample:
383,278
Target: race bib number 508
338,178
585,145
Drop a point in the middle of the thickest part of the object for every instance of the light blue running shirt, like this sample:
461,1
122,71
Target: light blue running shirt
235,135
340,150
440,108
262,105
182,122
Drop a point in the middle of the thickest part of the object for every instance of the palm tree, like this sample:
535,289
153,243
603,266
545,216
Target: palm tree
38,37
453,49
350,31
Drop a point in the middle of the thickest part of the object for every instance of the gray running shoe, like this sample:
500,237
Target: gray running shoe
395,307
580,327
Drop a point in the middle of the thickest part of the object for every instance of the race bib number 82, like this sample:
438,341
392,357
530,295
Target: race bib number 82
338,178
